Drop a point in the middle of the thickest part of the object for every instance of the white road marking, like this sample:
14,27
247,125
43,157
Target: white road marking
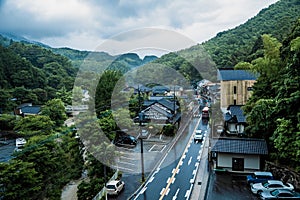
188,192
168,190
175,196
190,160
173,180
143,190
151,179
162,191
168,181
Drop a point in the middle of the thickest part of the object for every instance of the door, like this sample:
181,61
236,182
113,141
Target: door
237,164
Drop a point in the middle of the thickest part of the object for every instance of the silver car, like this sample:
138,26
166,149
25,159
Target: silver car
279,194
269,185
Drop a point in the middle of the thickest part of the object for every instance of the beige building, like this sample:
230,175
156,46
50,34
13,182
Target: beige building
236,86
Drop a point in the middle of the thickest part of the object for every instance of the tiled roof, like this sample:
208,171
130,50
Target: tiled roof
240,146
31,110
230,75
238,112
168,104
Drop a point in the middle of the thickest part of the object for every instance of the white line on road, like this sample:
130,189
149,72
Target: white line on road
175,196
188,192
190,160
143,190
151,179
168,190
126,163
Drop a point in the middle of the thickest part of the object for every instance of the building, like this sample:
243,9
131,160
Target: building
28,109
235,120
239,154
236,86
162,111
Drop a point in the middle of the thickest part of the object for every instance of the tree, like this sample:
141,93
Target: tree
55,109
105,90
64,95
34,125
286,140
19,180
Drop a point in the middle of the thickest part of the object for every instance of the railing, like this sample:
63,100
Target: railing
103,191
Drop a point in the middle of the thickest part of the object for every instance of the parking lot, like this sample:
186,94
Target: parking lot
227,186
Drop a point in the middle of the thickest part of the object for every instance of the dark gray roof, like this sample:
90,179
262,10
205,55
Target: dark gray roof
238,112
31,110
240,146
230,75
168,104
160,89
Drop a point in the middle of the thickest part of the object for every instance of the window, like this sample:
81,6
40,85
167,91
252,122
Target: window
234,89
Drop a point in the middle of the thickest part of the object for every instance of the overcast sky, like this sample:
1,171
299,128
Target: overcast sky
85,24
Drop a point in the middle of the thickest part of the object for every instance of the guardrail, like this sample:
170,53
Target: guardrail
103,192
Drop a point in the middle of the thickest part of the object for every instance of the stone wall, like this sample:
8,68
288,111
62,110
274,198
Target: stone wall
284,174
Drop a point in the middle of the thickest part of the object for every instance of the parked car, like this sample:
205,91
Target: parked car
269,185
258,177
114,187
279,194
198,136
126,140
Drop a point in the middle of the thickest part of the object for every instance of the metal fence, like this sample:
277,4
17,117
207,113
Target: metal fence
103,191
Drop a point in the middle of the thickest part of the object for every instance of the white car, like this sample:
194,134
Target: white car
114,187
198,136
269,185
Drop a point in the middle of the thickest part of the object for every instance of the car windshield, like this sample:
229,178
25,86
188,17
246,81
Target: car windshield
110,187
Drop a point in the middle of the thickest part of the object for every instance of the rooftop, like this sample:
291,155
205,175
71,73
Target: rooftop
230,75
241,145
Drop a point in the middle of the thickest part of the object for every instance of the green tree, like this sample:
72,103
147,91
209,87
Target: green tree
105,90
19,180
55,109
34,125
286,140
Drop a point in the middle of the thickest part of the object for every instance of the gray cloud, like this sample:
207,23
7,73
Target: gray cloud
79,24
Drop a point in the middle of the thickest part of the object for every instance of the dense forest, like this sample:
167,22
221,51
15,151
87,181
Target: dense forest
273,111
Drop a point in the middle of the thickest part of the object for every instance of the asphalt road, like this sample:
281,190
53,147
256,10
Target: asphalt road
174,177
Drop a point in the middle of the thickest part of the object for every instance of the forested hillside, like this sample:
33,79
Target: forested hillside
30,73
273,110
230,47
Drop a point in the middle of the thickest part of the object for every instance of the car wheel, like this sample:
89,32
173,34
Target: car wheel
259,192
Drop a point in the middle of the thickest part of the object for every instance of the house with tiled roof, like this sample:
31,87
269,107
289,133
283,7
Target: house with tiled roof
28,110
160,111
239,154
235,120
236,86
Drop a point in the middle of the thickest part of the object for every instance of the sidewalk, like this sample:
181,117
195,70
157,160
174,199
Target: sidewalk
202,177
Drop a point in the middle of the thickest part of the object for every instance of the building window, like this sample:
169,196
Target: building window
234,89
234,102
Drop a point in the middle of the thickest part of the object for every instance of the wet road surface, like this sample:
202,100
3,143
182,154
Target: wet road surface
226,186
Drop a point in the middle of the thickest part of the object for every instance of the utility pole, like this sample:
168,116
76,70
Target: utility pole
141,117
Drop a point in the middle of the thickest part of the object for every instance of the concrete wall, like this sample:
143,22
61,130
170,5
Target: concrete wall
242,93
250,161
